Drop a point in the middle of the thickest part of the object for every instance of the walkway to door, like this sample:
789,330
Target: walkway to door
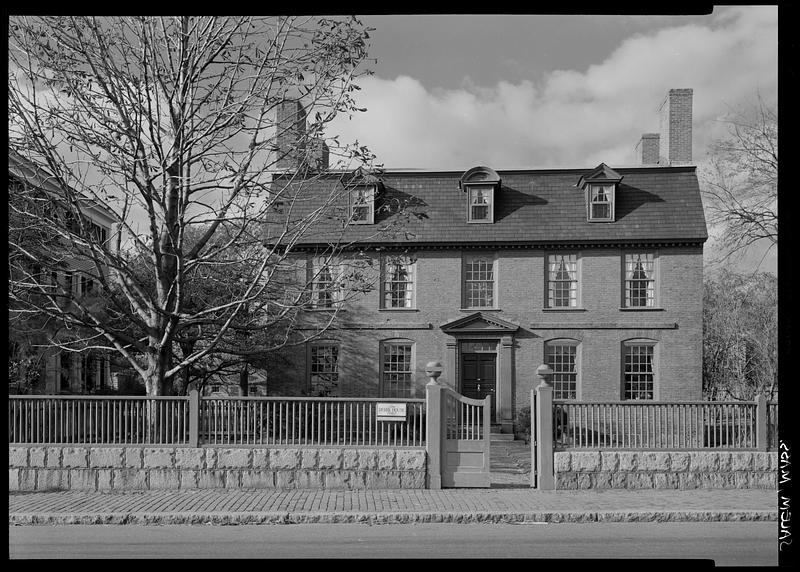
510,464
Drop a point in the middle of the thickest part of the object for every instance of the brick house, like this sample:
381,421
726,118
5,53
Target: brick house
60,372
596,271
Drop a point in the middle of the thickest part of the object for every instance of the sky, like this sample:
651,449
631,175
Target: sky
527,91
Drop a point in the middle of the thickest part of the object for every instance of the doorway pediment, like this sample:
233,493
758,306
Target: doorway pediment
479,323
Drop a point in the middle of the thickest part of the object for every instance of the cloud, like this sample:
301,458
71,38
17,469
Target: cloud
573,118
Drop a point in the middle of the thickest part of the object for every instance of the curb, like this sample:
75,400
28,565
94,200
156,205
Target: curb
250,518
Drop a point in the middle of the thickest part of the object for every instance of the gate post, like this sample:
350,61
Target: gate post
761,423
194,418
545,477
433,419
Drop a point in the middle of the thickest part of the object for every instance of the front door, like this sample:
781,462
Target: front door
479,376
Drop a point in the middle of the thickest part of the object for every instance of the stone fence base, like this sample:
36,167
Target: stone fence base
95,468
665,470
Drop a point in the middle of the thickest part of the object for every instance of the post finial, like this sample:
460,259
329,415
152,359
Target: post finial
433,369
544,372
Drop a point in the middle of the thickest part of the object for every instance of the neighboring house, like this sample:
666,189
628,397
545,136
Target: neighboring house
60,371
596,271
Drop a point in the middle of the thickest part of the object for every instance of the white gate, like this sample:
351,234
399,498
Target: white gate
465,440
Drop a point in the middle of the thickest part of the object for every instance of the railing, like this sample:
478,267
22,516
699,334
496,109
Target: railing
772,426
308,421
193,421
659,425
99,420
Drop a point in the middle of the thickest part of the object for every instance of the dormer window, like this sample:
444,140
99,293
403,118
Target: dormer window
480,185
363,205
601,202
481,203
600,188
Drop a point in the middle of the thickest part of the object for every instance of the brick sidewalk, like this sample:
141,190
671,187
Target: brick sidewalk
262,506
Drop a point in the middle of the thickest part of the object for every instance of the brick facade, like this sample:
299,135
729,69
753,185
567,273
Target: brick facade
599,324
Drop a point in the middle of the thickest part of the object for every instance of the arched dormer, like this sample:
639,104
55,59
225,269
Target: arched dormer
480,185
600,186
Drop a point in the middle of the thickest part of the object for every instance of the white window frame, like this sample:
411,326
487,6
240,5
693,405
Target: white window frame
636,394
467,259
385,352
549,355
388,260
314,349
488,194
594,190
368,195
651,293
333,288
574,300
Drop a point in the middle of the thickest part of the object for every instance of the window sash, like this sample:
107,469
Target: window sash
324,294
562,281
398,287
479,283
563,359
600,202
480,204
397,370
363,206
324,369
639,372
640,281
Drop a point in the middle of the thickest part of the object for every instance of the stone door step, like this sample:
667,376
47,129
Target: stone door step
501,437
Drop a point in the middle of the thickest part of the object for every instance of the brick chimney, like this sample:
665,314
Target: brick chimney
291,129
676,128
647,149
293,147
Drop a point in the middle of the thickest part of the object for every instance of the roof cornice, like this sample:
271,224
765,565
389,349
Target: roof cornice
504,245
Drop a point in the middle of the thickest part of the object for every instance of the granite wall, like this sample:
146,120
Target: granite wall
666,470
103,468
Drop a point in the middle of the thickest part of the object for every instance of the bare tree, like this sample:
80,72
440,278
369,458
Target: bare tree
740,336
170,125
741,187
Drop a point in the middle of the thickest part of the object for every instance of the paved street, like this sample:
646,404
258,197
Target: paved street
729,544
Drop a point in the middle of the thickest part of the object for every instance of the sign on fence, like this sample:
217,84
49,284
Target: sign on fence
390,411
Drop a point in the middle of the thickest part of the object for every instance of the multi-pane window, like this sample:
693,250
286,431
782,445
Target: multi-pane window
562,281
479,282
601,202
324,370
98,233
397,369
86,285
68,283
640,280
323,286
65,371
639,371
398,283
480,204
562,357
93,372
363,205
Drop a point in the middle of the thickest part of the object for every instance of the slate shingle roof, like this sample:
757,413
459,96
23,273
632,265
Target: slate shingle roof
653,204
